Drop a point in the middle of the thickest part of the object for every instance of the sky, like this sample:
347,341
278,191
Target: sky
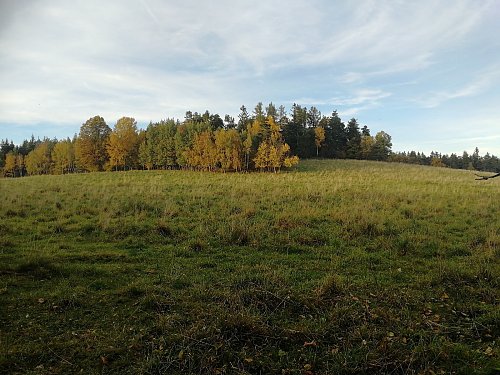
427,72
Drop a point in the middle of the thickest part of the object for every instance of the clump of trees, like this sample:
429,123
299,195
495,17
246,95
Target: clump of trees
310,134
267,139
202,142
205,142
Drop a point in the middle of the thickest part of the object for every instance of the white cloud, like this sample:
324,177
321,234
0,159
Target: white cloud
481,83
64,62
351,77
365,96
350,104
396,36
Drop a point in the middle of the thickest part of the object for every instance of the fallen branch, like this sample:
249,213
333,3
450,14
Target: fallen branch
487,177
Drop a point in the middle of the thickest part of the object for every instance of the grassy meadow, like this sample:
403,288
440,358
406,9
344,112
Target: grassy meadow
336,267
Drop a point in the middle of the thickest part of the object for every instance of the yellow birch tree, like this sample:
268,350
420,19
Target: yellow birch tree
229,149
10,164
319,138
63,157
123,144
90,146
38,161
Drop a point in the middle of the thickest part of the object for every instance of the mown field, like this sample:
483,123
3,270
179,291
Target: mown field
336,267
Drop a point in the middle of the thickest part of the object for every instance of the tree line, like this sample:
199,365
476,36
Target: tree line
267,139
472,162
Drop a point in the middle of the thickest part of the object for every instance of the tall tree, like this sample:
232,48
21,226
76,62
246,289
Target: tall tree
366,146
229,149
20,164
336,139
215,122
28,146
282,116
382,146
229,122
123,144
313,117
38,161
252,139
258,113
353,140
165,153
243,119
271,111
476,160
184,138
146,148
9,168
90,147
5,148
203,153
467,161
63,157
296,134
319,138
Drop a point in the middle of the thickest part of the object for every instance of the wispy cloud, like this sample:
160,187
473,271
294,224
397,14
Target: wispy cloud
151,13
350,104
481,83
388,36
151,59
366,96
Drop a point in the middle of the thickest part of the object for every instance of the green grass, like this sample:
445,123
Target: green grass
337,267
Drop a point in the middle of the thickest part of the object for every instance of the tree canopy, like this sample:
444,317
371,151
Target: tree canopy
90,147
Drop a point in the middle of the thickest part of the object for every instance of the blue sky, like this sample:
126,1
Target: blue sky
426,72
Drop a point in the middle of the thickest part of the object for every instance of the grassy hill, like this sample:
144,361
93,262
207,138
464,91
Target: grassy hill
337,267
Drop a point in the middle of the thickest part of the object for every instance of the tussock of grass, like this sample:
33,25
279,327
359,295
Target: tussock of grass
331,288
40,268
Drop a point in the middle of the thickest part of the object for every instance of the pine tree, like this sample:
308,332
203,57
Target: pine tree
243,119
271,111
313,117
353,143
336,138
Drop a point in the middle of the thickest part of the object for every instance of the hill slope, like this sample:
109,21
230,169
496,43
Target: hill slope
336,267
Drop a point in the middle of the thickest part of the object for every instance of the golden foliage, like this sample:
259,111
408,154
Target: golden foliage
319,137
38,160
90,147
63,157
273,153
123,143
10,163
229,149
203,154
